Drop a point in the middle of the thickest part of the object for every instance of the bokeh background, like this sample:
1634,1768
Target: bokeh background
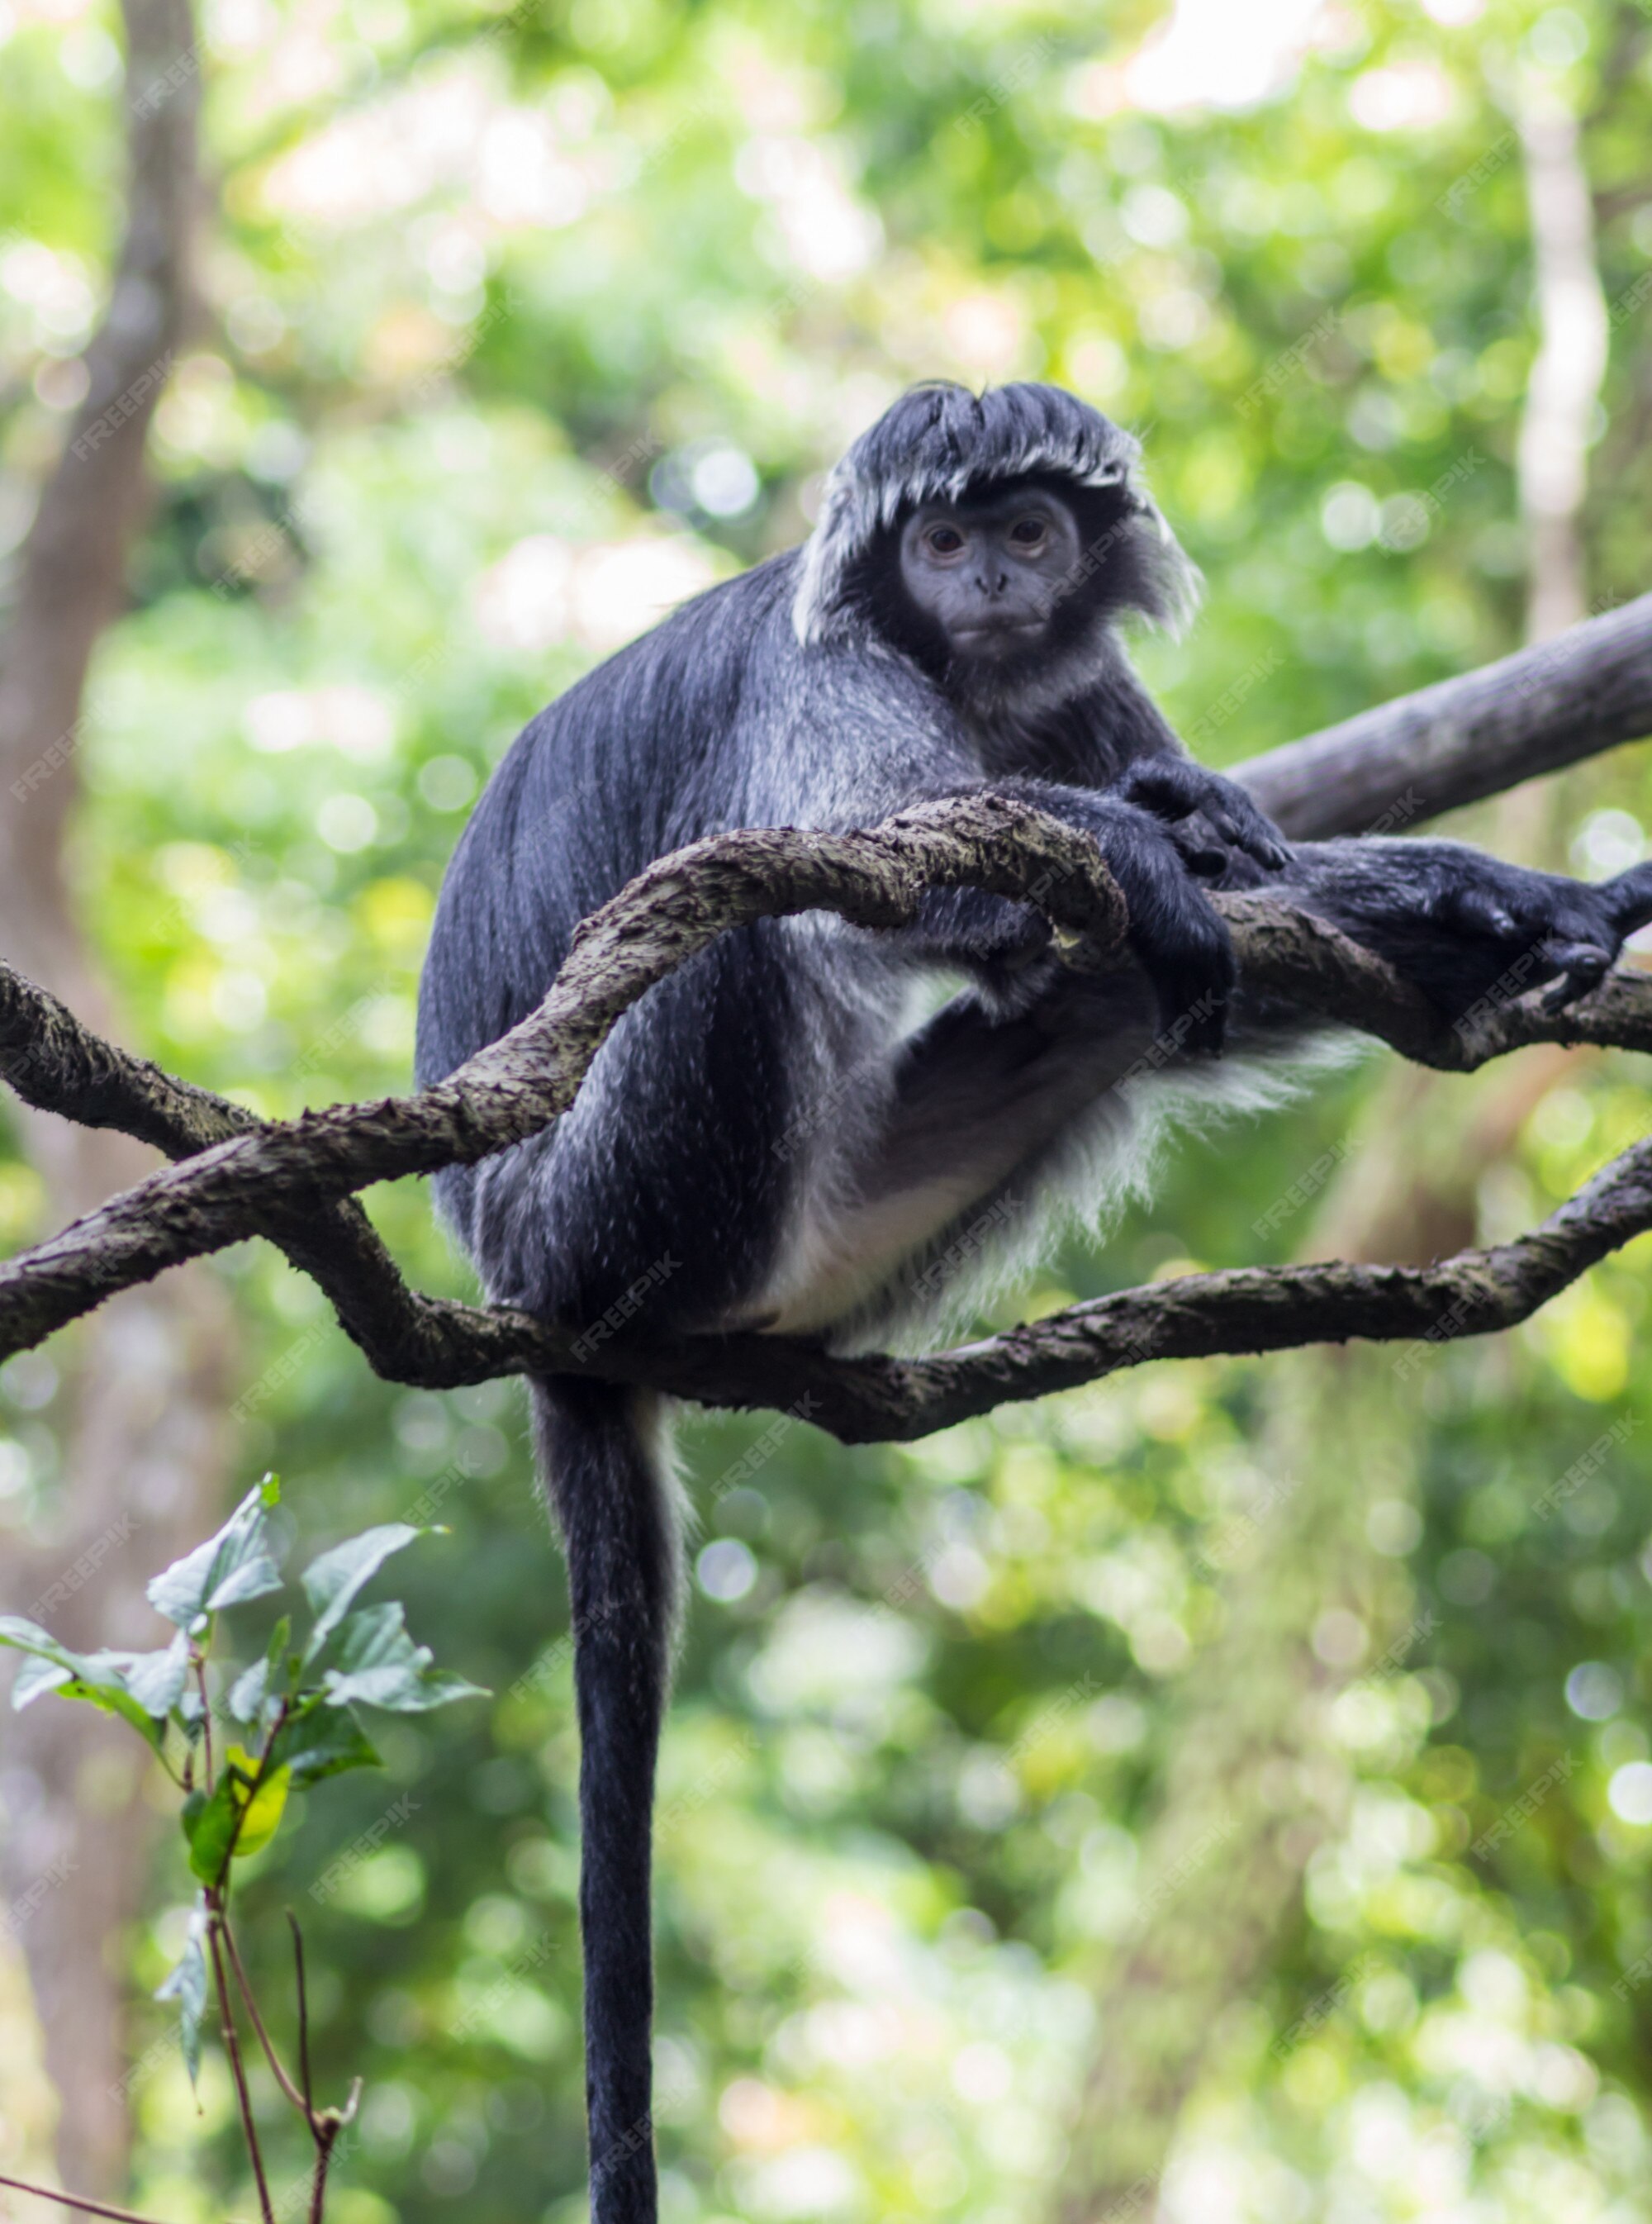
1072,1813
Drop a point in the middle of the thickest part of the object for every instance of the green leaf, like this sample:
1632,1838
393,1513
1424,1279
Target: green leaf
209,1823
156,1679
39,1674
28,1637
333,1581
246,1697
187,1984
100,1678
373,1663
269,1490
240,1816
260,1812
324,1741
251,1697
226,1570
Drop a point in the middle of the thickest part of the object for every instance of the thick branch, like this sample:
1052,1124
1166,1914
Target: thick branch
57,1065
1585,690
279,1181
292,1181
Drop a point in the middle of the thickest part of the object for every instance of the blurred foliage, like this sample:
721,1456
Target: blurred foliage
515,329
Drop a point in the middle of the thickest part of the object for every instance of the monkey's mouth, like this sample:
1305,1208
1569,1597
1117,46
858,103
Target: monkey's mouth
998,633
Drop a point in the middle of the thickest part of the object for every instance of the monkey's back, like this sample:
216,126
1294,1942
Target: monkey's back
675,1160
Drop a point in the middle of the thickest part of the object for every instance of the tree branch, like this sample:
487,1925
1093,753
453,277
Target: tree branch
1587,690
292,1181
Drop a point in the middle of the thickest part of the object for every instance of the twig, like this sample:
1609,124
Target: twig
304,2015
332,2122
76,2201
326,2134
289,2090
232,2048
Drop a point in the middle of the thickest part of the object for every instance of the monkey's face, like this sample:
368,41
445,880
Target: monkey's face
990,572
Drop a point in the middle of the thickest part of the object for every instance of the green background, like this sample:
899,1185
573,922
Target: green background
1054,1741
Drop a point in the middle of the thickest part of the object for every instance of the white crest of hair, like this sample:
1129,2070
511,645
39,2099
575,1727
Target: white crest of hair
937,442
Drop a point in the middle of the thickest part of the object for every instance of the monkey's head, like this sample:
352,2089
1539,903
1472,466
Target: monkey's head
992,538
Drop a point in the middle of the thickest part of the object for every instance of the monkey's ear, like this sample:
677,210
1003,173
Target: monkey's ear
1156,576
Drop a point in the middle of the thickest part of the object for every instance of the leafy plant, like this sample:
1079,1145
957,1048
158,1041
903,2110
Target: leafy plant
287,1721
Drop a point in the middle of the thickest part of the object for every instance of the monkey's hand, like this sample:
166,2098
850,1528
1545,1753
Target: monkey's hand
1197,805
1469,930
1180,939
1006,946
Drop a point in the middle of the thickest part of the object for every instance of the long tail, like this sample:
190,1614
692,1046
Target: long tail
612,1496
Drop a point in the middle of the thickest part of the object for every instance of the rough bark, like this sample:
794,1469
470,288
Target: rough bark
286,1180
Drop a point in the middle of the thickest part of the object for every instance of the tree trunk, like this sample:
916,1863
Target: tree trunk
138,1424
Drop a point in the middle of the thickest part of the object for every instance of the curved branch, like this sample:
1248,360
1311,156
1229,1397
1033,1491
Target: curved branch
292,1181
279,1180
58,1064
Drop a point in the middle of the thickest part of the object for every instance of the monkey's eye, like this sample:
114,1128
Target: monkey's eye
1027,532
943,540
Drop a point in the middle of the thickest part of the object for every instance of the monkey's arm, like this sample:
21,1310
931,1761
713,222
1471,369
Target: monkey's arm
1179,939
1460,925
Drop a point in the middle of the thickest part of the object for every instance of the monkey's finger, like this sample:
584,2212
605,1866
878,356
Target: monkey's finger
1192,1013
1254,835
1628,898
1193,839
1165,790
1581,966
1256,832
1479,912
1202,861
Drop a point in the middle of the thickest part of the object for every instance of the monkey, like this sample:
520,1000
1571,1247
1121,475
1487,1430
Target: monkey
953,623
